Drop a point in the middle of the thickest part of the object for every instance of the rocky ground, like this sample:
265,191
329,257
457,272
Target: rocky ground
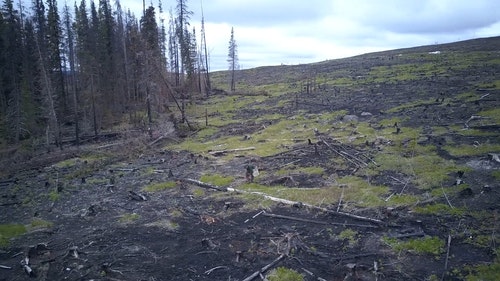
89,218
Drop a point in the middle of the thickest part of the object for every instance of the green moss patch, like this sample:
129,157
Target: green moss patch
8,231
129,218
217,180
160,186
284,274
440,209
427,245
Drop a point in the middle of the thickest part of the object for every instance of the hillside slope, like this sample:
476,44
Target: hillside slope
377,167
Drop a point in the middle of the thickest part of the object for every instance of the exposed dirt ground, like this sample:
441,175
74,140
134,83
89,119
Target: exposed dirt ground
103,230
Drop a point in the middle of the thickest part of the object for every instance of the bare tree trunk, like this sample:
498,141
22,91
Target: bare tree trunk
94,117
51,110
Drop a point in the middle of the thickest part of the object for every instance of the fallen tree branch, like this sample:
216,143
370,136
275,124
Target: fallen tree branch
447,257
295,203
473,117
313,221
202,184
221,152
292,218
446,197
265,268
349,157
215,268
494,157
280,200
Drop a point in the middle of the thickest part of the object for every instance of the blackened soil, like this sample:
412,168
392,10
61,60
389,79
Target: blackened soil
102,229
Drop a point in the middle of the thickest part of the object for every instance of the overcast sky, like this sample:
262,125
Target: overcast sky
273,32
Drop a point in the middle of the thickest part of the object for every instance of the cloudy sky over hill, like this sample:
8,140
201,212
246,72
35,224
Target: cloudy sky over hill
273,32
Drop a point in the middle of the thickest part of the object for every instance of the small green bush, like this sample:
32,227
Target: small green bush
284,274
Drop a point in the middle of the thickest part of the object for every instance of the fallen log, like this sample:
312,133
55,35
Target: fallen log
494,157
280,200
202,184
447,257
221,152
295,203
315,221
265,268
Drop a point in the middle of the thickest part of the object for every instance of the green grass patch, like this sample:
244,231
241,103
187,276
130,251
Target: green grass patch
274,138
164,224
410,105
39,223
314,196
496,174
284,274
440,209
160,186
426,171
293,169
492,114
402,200
8,231
484,272
472,150
199,192
217,180
427,245
361,193
493,85
54,195
352,236
129,218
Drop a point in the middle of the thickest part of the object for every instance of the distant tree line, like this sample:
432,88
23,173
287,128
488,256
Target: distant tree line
90,67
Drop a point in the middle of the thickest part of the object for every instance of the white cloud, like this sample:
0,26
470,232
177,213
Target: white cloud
271,32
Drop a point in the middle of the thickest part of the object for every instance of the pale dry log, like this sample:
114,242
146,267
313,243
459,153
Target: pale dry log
265,268
447,257
202,184
281,200
314,221
295,203
215,268
495,157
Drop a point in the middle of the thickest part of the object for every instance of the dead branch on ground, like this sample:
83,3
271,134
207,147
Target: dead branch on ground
265,268
447,257
314,221
338,149
295,203
473,117
279,200
215,268
221,152
202,184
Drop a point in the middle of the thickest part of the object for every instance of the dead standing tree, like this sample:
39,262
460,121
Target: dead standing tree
232,59
50,109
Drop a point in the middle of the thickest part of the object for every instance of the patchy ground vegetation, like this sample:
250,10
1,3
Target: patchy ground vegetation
378,167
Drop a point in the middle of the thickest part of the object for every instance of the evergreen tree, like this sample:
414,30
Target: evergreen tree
12,71
32,97
183,17
72,75
3,59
